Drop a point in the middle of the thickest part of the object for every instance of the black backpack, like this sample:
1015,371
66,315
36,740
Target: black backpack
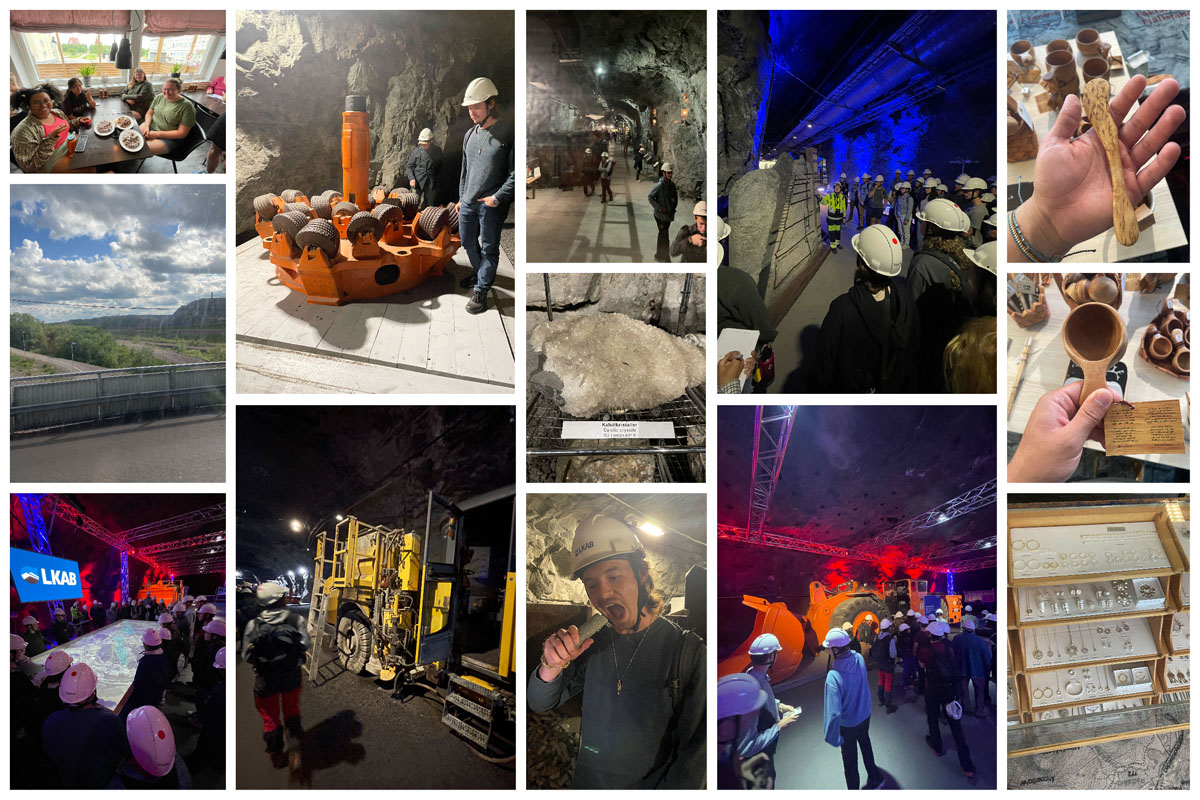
881,652
275,647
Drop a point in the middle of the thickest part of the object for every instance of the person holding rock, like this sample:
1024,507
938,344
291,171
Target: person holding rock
486,188
664,198
690,242
423,168
641,676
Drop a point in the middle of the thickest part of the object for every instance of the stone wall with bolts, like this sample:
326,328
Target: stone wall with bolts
742,46
294,70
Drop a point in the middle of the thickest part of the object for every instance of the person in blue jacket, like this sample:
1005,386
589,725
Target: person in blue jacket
974,655
848,709
775,715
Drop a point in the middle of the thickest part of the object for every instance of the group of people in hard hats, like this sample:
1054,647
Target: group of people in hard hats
908,651
63,736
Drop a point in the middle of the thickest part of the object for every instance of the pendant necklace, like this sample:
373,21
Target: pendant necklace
617,669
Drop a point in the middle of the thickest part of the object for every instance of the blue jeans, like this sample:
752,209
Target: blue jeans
479,228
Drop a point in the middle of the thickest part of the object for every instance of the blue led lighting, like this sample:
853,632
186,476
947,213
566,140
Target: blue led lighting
124,576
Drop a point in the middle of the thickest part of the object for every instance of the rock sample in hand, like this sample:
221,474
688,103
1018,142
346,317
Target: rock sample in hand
610,362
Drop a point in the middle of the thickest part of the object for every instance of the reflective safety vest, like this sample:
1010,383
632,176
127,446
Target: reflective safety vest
836,204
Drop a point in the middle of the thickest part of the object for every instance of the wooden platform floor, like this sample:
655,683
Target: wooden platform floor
424,330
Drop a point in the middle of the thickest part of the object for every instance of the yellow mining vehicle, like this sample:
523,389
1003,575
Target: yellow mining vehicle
435,607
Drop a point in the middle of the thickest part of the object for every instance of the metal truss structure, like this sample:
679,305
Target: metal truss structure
181,522
771,434
965,503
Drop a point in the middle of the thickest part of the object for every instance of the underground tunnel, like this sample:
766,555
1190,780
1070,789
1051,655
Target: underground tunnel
615,369
873,511
671,530
882,106
630,84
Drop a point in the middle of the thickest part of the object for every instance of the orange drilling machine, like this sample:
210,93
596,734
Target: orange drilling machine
338,247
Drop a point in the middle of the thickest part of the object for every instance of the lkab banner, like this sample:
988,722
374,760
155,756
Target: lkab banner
39,577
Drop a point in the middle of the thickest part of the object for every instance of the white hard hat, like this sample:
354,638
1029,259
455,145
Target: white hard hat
912,172
928,171
985,257
897,172
869,618
836,638
56,663
723,229
604,154
878,246
151,740
479,90
968,624
921,618
945,214
720,252
667,167
843,174
878,178
425,135
219,661
990,221
641,149
912,613
941,628
187,598
16,643
271,592
954,710
164,618
988,197
904,626
201,599
165,634
765,643
966,608
700,209
897,615
739,694
215,626
587,150
29,621
962,178
866,176
151,639
847,626
208,608
857,179
179,608
977,183
931,183
905,185
939,612
600,538
883,626
78,684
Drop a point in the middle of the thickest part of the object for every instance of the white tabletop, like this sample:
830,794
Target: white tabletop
1048,362
1165,233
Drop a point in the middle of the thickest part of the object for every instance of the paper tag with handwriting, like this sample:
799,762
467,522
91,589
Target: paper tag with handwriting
1155,427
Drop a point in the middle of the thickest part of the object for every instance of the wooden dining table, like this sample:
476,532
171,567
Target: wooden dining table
104,150
214,105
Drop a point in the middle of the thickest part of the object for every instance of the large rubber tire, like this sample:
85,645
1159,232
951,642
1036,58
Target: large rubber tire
290,222
332,196
264,206
353,643
431,222
386,213
378,194
299,208
320,233
409,204
291,195
363,222
345,208
452,217
851,608
399,192
320,204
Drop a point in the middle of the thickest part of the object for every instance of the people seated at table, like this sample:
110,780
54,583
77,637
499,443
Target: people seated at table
39,141
77,103
169,119
138,95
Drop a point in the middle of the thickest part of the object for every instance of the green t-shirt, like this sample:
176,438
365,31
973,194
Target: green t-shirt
168,116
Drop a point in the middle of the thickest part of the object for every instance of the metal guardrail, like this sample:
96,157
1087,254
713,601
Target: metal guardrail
51,401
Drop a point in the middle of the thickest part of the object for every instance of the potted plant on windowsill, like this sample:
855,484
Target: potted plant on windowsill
177,70
86,73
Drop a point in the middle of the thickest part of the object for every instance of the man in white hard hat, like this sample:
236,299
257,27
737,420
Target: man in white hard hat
639,161
274,644
154,763
848,709
204,674
690,244
152,676
486,187
35,643
664,199
740,701
969,615
776,715
902,211
864,198
884,653
942,675
606,173
908,658
590,170
835,214
870,338
633,734
23,705
204,614
958,195
853,191
975,209
423,168
974,655
84,741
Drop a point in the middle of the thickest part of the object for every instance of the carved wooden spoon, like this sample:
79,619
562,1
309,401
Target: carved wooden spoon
1095,337
1095,103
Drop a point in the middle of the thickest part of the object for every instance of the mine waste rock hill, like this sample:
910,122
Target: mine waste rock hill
208,312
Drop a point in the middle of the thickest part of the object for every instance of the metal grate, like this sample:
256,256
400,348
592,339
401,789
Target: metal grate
674,461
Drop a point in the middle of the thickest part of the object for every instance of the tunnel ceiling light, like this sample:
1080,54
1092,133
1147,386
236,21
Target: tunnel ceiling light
569,60
296,526
599,69
340,518
651,529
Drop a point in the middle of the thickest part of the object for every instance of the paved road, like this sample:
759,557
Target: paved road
61,364
170,356
358,737
187,449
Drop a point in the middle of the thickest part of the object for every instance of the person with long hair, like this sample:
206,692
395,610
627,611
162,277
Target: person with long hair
77,103
169,119
138,95
39,141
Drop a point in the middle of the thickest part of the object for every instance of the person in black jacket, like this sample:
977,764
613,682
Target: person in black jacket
423,168
871,335
152,676
97,614
664,199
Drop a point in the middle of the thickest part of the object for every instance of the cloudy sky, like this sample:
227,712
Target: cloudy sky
123,247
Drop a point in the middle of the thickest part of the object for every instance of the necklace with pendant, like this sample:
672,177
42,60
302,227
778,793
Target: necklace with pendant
617,669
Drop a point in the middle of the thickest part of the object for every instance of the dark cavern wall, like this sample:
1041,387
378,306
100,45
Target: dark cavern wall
741,84
294,70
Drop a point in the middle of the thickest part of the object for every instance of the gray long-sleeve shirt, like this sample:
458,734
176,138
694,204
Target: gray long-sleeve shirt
625,739
489,164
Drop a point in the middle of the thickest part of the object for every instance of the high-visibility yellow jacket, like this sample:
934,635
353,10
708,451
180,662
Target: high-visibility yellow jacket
836,203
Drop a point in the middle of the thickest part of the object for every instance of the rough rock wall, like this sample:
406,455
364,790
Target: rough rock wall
654,298
295,69
756,201
742,45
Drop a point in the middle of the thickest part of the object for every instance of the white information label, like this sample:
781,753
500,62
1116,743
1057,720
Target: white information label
625,429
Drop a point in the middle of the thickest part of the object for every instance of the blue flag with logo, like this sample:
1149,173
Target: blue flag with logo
39,577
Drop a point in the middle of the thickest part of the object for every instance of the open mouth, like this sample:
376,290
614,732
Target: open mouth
615,612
